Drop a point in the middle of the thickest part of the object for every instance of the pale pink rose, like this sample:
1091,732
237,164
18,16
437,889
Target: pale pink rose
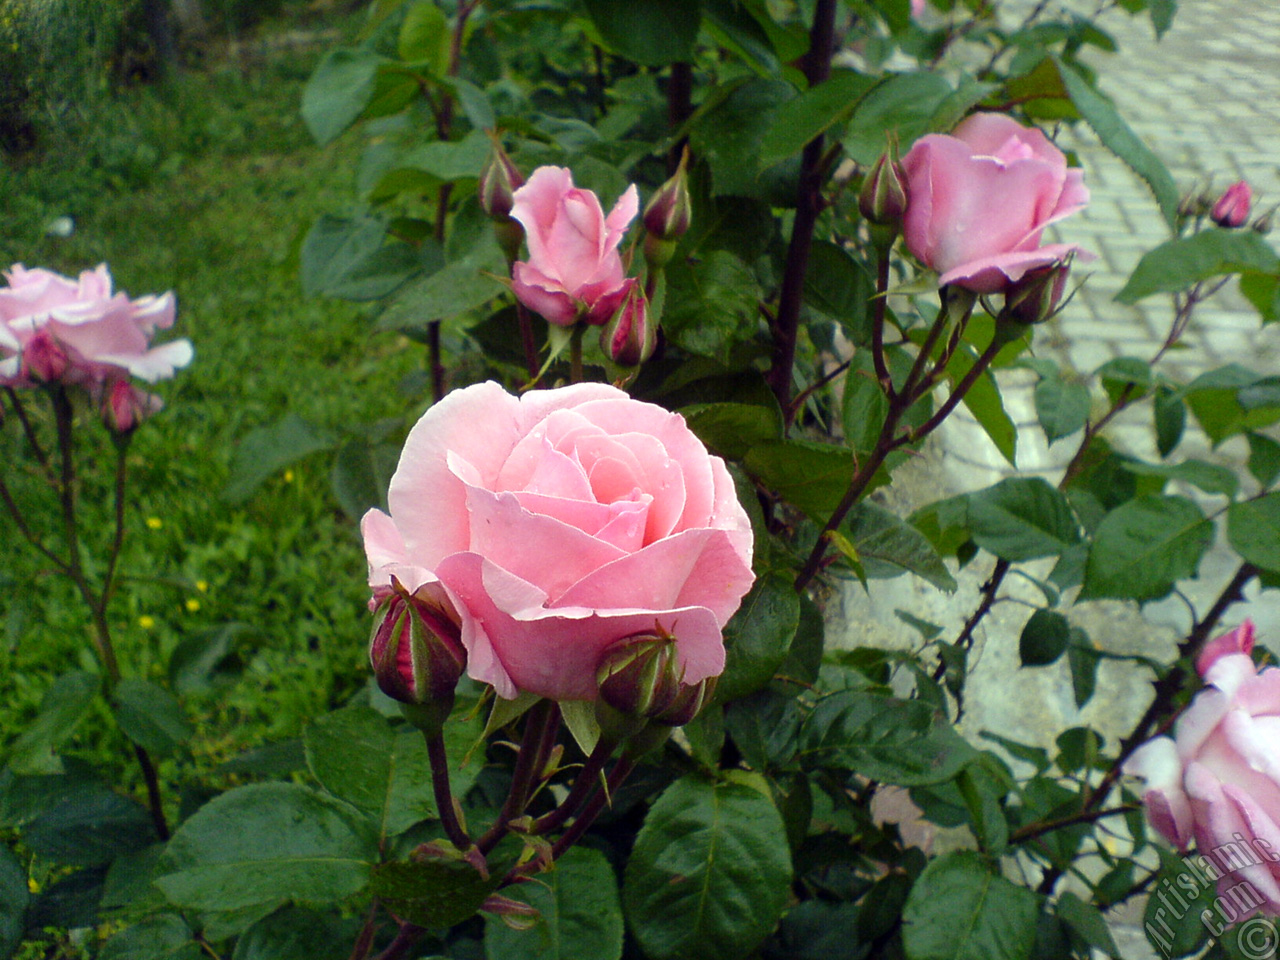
1239,640
77,331
917,7
1217,780
573,271
1232,208
979,198
558,523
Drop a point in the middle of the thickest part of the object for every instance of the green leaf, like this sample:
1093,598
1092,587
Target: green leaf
1117,137
1179,263
840,287
864,404
338,91
815,111
810,476
150,716
741,28
90,829
204,657
61,710
1143,547
361,474
425,37
296,933
455,288
985,403
1210,477
982,793
1022,518
432,893
959,910
1253,528
1062,407
267,844
164,936
579,914
730,429
1264,459
1170,412
712,304
1088,923
884,738
888,546
347,258
902,106
1125,374
651,32
728,134
1263,291
263,451
14,897
1043,639
710,872
758,636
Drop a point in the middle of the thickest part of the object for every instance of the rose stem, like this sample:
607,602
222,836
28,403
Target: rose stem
899,403
527,769
64,417
409,934
621,770
527,340
20,409
443,792
817,68
587,778
575,352
879,306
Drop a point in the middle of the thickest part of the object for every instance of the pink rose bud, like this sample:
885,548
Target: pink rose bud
1239,640
979,199
1217,779
44,359
1232,208
124,406
640,676
670,210
574,272
917,7
499,181
417,655
688,703
629,337
1035,298
883,198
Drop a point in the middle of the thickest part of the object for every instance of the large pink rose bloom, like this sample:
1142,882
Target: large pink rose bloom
979,199
54,328
573,271
559,523
1217,780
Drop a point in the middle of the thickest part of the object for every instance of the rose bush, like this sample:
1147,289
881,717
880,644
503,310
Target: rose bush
1217,780
55,328
558,523
979,199
573,271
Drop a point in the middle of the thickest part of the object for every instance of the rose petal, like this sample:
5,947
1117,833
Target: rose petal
1263,833
695,567
1261,694
543,296
1199,721
995,273
1168,808
428,502
554,653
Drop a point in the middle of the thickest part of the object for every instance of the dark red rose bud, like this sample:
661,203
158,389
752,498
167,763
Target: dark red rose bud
1232,208
883,198
417,654
629,338
670,211
688,703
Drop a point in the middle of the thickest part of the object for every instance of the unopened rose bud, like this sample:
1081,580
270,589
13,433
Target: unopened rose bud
883,198
44,358
499,181
1036,297
417,656
670,211
639,676
1232,208
628,339
1263,224
688,703
124,406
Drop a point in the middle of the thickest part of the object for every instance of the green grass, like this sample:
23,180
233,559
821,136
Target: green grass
206,188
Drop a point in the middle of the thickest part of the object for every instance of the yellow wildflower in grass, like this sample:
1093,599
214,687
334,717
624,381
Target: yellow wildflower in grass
155,523
288,476
202,586
146,622
193,605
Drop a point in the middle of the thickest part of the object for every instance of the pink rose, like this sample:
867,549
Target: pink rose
1218,778
573,271
1232,208
979,199
76,331
558,523
917,7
